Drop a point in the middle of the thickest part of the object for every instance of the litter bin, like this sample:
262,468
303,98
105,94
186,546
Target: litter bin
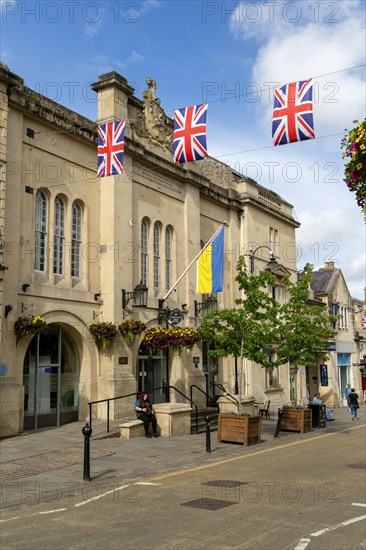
319,419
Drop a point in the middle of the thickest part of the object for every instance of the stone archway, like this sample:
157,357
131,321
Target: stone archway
51,371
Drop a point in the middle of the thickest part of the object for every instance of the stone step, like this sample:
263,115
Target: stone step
201,423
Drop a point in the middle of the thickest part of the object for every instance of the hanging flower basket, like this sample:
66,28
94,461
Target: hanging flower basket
156,338
130,329
354,145
103,333
29,324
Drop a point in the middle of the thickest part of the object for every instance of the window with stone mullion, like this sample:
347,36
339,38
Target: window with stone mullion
156,256
168,258
40,244
76,240
144,255
59,237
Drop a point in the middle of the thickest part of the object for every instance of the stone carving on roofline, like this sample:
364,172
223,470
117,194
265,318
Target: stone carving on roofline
152,123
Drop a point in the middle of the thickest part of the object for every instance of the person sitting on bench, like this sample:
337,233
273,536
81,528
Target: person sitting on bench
145,412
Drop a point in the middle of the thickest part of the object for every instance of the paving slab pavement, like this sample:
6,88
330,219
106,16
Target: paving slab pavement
47,461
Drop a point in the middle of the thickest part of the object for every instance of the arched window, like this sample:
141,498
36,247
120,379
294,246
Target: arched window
144,251
40,242
156,256
76,239
168,257
59,237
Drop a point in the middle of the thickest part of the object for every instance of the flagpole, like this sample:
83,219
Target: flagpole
193,261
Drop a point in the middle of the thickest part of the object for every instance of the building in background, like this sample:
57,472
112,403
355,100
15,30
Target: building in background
348,346
75,249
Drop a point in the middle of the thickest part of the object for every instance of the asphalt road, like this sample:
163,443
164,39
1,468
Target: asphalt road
304,494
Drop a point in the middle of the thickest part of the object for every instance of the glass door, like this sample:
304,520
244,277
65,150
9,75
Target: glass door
151,374
50,377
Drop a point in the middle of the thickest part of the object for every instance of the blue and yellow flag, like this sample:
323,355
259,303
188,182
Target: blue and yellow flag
210,266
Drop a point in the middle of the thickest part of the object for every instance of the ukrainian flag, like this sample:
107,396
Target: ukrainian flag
210,266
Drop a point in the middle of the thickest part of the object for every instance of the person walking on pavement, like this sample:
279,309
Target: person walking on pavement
353,403
347,391
145,412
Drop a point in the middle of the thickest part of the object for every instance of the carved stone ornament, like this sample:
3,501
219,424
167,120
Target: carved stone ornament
152,123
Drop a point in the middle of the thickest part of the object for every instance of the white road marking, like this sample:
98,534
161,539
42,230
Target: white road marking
54,511
146,483
10,519
358,504
334,527
100,496
302,544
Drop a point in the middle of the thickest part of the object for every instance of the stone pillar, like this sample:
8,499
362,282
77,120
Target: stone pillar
116,231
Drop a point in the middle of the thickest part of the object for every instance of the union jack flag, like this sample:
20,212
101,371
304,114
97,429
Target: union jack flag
363,322
293,113
111,146
190,133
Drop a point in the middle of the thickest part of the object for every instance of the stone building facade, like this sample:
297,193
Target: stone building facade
72,242
349,340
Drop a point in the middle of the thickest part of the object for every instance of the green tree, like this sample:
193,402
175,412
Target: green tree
263,330
304,325
250,329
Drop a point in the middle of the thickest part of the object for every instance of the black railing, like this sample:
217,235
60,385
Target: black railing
109,399
208,397
221,387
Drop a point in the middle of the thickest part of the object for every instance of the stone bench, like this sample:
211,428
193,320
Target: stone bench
134,428
173,419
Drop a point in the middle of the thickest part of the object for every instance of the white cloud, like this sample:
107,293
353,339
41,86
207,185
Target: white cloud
101,64
149,5
134,56
329,37
95,21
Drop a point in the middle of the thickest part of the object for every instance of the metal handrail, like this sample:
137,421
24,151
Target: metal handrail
204,393
221,387
108,399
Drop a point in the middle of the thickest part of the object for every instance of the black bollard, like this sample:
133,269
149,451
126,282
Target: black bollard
208,434
278,427
86,431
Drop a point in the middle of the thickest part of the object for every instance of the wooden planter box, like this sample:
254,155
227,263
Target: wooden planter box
239,429
296,420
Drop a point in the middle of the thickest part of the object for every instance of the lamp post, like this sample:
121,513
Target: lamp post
210,304
272,260
139,296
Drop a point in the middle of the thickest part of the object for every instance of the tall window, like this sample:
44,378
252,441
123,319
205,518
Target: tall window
144,251
40,232
275,290
76,236
168,258
59,237
273,239
272,377
343,321
156,256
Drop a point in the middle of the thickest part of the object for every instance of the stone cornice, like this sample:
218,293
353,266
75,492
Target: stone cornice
45,109
249,200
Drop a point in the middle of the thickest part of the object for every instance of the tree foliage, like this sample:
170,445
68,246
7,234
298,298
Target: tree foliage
265,331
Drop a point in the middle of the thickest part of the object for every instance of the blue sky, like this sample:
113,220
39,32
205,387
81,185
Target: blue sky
228,54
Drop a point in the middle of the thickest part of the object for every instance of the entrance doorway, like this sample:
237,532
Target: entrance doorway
152,373
51,380
210,370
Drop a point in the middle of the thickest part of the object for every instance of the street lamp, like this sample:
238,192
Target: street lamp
272,260
210,304
139,296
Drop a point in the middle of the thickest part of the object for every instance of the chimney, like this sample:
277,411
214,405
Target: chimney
328,265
